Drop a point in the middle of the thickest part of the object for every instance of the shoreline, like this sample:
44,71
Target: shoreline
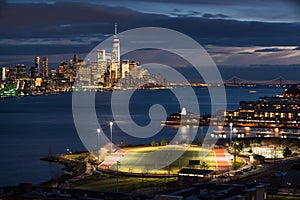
80,176
71,168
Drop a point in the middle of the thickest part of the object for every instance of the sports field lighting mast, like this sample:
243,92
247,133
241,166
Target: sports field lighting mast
234,148
230,137
98,136
118,163
111,124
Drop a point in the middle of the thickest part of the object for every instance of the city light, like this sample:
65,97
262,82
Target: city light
111,141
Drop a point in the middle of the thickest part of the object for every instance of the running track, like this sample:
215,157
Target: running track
221,159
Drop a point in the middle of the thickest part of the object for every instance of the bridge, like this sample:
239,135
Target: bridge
276,81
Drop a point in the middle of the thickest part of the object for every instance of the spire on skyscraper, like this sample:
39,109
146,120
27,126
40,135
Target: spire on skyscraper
116,29
115,70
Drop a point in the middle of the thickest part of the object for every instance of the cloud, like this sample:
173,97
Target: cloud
296,49
269,50
83,19
179,13
209,16
246,52
43,19
68,27
239,56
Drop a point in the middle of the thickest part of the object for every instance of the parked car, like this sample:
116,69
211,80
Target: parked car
239,173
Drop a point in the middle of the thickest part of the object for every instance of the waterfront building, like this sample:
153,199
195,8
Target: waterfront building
84,75
20,71
215,191
4,73
282,111
133,65
125,68
202,190
105,71
101,64
45,68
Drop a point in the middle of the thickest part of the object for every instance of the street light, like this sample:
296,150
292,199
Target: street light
98,136
111,124
234,147
118,163
230,138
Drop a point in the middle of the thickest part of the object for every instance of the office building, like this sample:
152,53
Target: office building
45,67
115,71
37,61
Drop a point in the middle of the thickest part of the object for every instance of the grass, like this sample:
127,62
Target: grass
77,156
239,163
138,160
105,182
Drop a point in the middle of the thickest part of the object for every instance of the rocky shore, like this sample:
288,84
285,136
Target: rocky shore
75,165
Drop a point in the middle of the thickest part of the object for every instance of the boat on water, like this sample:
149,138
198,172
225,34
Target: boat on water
185,118
218,134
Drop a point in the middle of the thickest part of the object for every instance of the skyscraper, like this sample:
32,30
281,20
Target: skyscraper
115,71
33,72
101,64
20,71
125,68
75,58
4,73
37,61
45,67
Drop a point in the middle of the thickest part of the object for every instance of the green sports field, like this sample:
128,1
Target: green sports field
148,160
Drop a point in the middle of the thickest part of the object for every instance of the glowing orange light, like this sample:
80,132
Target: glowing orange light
247,130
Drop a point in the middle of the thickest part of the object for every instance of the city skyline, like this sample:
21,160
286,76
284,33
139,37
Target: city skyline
235,34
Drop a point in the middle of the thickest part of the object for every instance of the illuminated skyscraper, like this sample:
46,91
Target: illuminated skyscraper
101,64
45,67
4,73
125,68
20,71
37,61
115,70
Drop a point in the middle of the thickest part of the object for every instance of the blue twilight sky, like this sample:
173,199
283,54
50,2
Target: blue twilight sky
236,33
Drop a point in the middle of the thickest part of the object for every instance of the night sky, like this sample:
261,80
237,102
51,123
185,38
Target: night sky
237,34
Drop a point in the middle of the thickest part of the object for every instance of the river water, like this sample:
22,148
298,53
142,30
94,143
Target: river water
36,126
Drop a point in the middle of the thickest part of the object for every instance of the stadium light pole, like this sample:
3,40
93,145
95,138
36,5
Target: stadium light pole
111,124
118,163
234,147
230,137
98,136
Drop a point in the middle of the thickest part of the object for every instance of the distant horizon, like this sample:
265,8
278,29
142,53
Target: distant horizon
234,33
255,72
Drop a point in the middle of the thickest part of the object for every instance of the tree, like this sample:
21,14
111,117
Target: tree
204,165
238,146
287,152
153,143
250,150
163,142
